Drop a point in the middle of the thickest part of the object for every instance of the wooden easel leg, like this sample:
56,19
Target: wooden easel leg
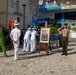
40,48
57,44
50,47
47,51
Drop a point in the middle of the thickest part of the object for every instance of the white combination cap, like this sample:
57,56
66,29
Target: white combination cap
16,24
29,28
34,28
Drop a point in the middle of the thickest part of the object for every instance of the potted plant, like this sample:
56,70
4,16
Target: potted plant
53,35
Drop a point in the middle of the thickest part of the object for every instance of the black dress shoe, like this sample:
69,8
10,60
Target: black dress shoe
65,54
48,54
60,46
33,52
62,54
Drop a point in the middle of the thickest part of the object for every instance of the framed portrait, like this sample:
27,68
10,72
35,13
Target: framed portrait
44,35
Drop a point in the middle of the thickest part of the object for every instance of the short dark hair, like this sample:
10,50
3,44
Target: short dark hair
65,24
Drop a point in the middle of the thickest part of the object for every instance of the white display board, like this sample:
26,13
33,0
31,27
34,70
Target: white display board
73,35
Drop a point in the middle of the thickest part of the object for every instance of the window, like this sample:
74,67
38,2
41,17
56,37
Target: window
12,3
18,19
17,5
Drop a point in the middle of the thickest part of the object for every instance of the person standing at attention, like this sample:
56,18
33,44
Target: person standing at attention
27,40
15,36
65,35
33,40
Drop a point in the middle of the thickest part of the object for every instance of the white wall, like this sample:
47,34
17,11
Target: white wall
30,10
12,9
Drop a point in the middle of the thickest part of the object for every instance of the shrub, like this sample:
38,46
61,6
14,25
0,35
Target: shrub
73,28
53,30
73,24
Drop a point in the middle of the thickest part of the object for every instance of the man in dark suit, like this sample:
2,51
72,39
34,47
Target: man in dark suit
44,36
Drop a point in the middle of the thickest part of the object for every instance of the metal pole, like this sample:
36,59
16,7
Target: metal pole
63,17
24,15
7,16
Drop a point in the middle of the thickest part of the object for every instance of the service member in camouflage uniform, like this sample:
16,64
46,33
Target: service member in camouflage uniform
2,42
65,35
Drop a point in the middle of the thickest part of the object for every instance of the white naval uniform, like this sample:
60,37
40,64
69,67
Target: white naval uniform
33,40
15,33
26,40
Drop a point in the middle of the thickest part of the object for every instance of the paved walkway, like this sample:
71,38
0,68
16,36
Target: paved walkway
40,64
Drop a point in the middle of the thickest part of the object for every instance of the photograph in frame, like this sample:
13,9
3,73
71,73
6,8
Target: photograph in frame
44,35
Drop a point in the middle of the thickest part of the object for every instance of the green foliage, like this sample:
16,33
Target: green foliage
73,28
73,24
69,27
53,30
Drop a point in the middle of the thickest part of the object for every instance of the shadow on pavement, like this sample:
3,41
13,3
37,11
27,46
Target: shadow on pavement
72,53
34,56
72,45
41,55
59,51
70,49
10,55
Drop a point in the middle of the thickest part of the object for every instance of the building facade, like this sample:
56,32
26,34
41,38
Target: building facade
3,8
13,9
61,11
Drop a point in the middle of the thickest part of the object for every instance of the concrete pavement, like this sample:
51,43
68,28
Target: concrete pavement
40,64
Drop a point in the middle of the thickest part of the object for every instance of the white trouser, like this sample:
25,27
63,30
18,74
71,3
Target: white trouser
16,47
33,45
26,45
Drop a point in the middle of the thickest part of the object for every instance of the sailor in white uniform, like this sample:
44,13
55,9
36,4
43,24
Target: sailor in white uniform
33,40
15,35
27,40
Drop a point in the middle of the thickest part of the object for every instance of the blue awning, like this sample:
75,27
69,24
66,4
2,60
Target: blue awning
54,8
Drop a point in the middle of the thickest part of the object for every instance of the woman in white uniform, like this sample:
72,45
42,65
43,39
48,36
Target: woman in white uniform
15,35
33,40
27,40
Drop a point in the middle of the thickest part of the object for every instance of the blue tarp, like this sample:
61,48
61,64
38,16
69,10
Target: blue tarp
54,8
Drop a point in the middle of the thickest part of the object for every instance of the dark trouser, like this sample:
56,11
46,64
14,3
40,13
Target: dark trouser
60,40
64,44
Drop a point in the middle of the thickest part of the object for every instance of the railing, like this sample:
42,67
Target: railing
53,39
50,4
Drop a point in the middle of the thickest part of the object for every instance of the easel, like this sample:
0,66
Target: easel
46,44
